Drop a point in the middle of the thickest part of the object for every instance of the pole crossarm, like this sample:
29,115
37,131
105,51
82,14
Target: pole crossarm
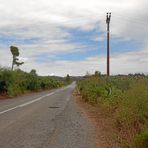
108,17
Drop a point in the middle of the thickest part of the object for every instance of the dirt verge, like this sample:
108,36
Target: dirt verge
106,136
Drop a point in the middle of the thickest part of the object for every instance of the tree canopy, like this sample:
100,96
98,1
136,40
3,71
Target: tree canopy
15,53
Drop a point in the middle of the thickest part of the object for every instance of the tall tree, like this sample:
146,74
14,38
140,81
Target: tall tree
15,53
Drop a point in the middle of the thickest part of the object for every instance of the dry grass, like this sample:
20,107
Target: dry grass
127,105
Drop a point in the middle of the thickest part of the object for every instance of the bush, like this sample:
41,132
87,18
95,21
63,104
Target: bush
17,82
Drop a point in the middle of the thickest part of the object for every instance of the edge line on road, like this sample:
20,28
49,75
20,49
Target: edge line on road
26,104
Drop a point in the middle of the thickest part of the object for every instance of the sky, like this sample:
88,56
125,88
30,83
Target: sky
69,36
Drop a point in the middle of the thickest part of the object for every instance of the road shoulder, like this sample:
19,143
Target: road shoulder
105,132
72,129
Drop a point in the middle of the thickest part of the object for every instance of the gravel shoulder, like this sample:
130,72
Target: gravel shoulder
73,130
105,132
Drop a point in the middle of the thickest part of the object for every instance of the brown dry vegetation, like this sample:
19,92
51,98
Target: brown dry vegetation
123,110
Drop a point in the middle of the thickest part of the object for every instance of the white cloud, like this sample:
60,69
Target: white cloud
98,38
44,20
130,62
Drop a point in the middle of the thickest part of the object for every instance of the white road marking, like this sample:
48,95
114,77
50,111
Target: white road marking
25,104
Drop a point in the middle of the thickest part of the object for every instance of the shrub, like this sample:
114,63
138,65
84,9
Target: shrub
17,82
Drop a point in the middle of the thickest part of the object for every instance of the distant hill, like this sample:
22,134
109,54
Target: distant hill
73,78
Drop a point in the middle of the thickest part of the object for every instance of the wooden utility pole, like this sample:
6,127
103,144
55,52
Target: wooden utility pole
108,17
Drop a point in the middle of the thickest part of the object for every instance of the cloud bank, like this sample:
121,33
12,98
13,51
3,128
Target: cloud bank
40,29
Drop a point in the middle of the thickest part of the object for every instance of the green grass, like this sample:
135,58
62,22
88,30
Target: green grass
17,82
125,99
141,140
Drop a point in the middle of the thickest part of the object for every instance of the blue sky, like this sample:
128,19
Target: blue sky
91,46
57,38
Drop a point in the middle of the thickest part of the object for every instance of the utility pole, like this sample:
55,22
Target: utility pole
108,17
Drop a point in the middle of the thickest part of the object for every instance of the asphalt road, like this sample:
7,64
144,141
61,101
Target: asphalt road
49,119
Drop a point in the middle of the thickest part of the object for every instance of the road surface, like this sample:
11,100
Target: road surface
48,119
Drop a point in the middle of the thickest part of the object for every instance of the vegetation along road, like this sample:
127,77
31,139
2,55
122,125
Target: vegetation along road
45,119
